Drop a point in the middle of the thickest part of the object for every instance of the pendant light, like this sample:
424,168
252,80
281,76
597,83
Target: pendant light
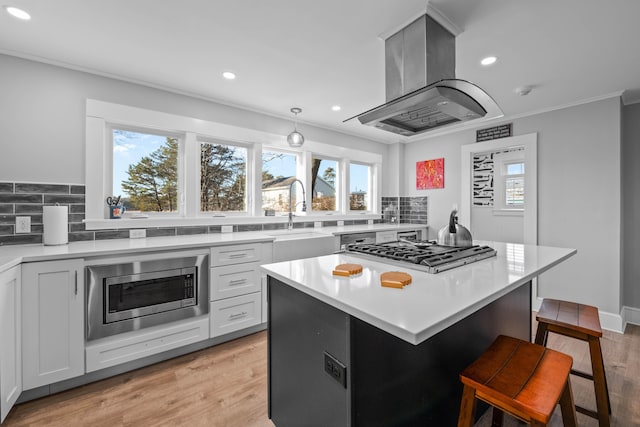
295,138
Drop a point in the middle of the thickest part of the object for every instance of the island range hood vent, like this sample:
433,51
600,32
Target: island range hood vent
422,92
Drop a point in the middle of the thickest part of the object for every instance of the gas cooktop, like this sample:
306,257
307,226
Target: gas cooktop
426,256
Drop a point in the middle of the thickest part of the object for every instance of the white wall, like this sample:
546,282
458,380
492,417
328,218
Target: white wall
631,205
42,117
578,195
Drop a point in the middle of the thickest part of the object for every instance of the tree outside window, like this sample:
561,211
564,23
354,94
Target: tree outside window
359,182
223,178
323,184
145,171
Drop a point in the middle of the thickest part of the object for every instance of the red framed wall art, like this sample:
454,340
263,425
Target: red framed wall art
430,174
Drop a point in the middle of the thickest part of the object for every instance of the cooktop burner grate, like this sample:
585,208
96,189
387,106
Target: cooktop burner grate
426,256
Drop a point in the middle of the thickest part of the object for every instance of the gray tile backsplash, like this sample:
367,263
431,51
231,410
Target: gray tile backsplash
405,210
27,199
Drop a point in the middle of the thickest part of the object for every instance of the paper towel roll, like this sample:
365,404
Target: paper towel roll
56,225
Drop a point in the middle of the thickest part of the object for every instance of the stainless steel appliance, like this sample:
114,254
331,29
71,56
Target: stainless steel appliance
412,235
149,291
422,92
454,234
425,256
365,237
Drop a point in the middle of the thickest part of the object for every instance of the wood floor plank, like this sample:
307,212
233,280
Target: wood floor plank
226,386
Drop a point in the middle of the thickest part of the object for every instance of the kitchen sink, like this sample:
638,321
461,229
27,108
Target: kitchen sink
289,245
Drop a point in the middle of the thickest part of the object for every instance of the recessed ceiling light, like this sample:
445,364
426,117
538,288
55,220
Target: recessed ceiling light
488,60
229,75
17,13
336,108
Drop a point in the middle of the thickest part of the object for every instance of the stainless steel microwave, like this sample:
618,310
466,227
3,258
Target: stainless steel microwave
128,296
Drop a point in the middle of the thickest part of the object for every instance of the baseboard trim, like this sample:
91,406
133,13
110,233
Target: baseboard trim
631,315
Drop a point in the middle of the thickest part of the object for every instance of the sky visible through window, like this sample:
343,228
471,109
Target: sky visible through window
287,164
128,148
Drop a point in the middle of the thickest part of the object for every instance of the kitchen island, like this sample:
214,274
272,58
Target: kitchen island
345,351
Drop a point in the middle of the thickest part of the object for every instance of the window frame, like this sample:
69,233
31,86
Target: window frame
248,188
500,164
338,187
180,164
297,175
370,183
189,130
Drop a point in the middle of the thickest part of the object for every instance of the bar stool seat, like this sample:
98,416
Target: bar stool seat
581,322
523,379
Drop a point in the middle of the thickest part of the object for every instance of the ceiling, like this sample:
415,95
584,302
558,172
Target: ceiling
316,54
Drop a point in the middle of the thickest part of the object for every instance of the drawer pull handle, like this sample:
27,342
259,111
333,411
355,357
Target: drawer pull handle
237,282
237,315
242,255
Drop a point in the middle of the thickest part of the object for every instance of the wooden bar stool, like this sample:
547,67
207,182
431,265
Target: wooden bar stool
523,379
581,322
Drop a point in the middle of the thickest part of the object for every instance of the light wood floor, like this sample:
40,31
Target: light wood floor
226,385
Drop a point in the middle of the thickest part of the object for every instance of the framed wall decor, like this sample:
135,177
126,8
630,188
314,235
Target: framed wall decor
430,174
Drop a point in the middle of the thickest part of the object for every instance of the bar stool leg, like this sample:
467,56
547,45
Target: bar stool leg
497,417
599,382
541,334
467,407
567,407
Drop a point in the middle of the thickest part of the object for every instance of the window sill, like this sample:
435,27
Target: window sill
151,222
508,212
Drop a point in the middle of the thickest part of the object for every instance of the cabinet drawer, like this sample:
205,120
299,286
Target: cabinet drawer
135,345
386,236
234,314
234,280
235,254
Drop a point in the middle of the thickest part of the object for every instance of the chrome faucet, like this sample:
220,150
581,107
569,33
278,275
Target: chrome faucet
304,203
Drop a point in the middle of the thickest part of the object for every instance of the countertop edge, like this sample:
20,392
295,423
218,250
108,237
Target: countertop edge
13,255
417,336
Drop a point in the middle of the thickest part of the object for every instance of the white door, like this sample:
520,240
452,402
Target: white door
10,345
503,205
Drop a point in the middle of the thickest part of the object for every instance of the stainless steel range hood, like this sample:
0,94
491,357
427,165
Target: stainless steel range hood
421,89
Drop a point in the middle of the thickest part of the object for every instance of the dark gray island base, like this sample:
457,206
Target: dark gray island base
375,379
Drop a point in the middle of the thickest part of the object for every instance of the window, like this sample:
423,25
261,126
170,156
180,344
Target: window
324,184
170,169
359,187
509,176
278,172
145,171
514,185
223,178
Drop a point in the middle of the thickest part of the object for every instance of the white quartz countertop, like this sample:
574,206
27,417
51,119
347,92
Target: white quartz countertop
13,255
432,302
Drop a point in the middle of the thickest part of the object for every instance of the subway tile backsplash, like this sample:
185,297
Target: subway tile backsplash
406,210
27,199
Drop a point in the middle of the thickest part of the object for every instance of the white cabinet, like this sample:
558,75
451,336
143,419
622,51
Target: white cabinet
235,286
233,314
52,321
10,340
234,280
386,236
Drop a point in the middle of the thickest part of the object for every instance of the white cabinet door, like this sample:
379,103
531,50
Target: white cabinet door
10,343
52,322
